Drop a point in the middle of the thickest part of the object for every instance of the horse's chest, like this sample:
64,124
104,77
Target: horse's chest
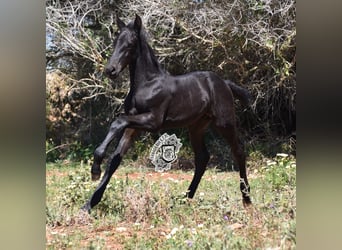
129,104
141,104
135,105
145,100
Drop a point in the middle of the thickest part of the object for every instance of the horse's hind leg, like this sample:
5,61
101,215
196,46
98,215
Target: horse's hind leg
201,154
123,146
229,132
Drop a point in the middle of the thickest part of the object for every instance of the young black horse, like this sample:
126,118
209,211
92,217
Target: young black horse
158,100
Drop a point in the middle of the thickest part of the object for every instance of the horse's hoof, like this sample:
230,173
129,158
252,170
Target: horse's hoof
86,208
95,176
95,172
246,201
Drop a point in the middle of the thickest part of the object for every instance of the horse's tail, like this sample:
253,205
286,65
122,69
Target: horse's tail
240,93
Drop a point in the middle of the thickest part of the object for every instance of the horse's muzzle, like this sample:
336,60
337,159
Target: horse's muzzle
111,72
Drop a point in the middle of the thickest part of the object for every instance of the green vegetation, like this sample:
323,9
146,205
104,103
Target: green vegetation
252,43
140,211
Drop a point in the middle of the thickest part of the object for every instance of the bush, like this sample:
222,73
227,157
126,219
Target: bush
250,42
280,172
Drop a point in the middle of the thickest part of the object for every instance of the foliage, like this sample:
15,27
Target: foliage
74,151
250,42
280,172
51,151
144,213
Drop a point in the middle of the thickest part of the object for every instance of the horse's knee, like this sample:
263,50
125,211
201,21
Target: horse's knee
117,125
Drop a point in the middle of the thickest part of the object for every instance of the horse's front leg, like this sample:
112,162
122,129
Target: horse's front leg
100,151
129,124
123,146
150,121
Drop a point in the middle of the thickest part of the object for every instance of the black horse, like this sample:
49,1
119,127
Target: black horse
158,100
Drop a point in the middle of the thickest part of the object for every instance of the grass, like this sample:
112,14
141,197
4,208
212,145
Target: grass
142,209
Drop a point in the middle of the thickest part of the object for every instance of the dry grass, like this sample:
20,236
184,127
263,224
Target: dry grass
140,211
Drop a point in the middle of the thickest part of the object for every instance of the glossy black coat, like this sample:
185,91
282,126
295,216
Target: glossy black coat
158,100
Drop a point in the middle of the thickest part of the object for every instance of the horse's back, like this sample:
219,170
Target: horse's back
199,93
220,98
205,83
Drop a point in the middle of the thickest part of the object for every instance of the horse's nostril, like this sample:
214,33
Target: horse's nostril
109,70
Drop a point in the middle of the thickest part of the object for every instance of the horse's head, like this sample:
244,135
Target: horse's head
125,45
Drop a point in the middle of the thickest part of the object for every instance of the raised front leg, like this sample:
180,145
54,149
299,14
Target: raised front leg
123,146
147,121
114,131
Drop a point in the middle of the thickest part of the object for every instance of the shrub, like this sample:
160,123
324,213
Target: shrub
250,42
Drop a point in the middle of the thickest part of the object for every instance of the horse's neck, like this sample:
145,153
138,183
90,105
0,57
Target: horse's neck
145,67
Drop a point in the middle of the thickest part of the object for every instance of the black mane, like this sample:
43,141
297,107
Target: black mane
144,45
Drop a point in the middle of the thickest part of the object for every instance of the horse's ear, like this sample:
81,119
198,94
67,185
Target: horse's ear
137,23
120,23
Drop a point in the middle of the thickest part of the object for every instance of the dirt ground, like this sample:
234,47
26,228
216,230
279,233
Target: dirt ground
113,235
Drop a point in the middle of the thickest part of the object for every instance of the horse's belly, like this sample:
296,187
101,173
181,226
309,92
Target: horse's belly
184,113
